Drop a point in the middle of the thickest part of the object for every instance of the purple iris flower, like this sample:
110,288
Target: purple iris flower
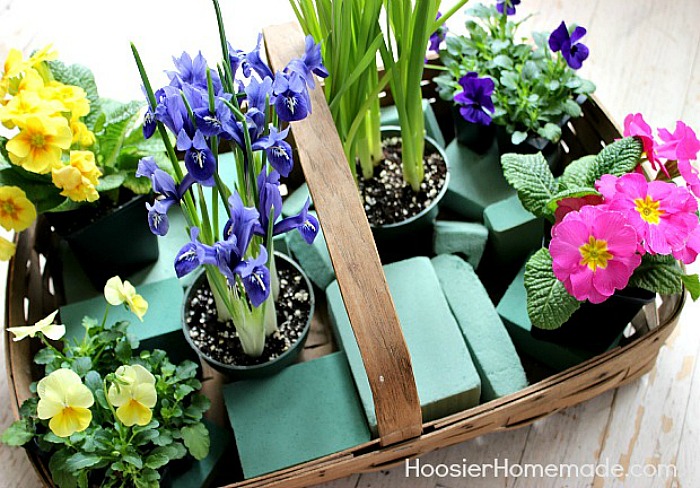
167,193
237,59
574,52
199,160
213,124
256,63
309,64
190,256
507,5
193,72
171,110
438,36
291,96
256,278
279,152
242,222
475,101
271,202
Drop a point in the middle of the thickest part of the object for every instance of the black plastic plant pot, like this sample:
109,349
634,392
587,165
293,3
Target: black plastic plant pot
479,138
597,327
109,241
413,236
244,372
532,145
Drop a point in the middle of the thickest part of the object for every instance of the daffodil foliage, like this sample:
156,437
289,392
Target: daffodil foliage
106,411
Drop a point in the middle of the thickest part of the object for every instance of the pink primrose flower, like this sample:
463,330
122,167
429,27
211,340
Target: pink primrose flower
682,146
635,125
594,253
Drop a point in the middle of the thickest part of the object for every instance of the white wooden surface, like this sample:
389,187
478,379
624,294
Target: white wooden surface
644,58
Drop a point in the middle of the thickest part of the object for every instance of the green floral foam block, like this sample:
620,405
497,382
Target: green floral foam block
514,233
491,348
513,310
464,238
390,116
445,375
161,327
295,201
307,411
476,181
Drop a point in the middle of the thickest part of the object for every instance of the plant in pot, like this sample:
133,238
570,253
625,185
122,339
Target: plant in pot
106,415
527,92
231,316
621,230
399,180
74,156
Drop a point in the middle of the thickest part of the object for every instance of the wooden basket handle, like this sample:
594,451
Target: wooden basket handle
353,253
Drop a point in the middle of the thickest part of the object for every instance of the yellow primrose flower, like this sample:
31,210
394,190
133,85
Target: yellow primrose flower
16,211
45,326
73,98
81,134
38,147
65,400
7,249
43,54
118,292
135,397
28,104
15,64
79,178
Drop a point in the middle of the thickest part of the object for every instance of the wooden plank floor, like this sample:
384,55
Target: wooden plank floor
645,57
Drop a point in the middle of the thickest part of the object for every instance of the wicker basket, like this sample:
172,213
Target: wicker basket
34,290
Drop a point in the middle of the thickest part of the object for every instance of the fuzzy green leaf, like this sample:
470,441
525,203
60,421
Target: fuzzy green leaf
571,108
549,305
18,433
576,174
120,122
618,158
660,274
196,439
531,177
692,284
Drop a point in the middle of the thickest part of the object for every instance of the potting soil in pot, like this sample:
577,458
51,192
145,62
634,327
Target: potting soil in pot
220,342
387,198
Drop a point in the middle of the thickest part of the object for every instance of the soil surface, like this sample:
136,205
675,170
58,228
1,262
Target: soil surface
388,198
219,340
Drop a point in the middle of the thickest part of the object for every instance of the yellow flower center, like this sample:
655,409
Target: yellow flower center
8,209
649,209
594,254
38,140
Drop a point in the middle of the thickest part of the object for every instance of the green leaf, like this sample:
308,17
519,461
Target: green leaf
196,438
110,182
173,451
550,131
549,305
576,174
120,122
182,391
18,433
518,137
59,471
510,80
618,158
158,460
503,61
660,274
138,185
530,175
80,461
553,204
46,356
572,108
186,370
81,76
82,365
90,323
134,460
692,284
123,351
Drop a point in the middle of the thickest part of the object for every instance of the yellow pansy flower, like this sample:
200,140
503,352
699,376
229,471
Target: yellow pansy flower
16,211
7,249
45,326
79,178
38,147
81,134
135,396
65,400
118,292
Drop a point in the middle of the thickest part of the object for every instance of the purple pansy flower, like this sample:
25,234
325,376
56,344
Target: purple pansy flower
291,97
475,101
438,36
279,152
507,5
199,160
574,52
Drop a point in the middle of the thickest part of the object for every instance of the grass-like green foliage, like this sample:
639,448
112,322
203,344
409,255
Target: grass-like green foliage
535,89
